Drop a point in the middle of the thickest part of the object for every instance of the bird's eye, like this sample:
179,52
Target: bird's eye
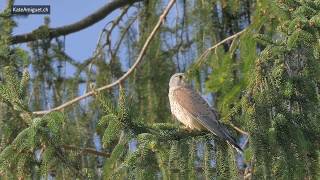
180,77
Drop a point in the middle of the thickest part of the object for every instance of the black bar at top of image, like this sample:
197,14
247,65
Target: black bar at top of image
30,9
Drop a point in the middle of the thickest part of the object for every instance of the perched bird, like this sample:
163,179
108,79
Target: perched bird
193,111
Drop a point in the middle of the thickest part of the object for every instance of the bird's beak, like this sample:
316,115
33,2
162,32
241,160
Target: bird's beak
186,78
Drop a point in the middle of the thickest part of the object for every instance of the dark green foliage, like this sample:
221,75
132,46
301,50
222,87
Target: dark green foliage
36,145
11,92
282,103
39,140
226,167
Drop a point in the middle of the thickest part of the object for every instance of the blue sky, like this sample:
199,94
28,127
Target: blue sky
79,45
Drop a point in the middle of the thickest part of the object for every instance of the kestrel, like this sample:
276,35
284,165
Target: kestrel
193,111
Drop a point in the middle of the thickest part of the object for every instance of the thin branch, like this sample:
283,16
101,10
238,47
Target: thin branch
238,129
123,77
109,32
207,51
86,150
125,30
77,26
99,48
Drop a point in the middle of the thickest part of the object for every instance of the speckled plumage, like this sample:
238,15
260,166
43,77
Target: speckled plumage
193,111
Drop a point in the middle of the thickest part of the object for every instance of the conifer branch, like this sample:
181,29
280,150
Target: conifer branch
9,4
124,76
77,26
85,150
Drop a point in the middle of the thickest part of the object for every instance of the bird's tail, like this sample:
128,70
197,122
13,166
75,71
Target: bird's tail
233,144
231,141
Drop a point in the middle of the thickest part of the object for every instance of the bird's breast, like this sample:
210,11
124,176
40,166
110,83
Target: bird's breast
182,114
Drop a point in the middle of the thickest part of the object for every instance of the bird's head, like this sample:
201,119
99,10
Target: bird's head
178,80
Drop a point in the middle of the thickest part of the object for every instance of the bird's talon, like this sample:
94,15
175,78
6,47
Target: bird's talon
185,128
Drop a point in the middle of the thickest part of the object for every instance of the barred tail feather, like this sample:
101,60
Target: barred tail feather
235,146
231,140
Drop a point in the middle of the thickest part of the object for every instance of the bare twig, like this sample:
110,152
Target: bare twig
199,61
239,130
100,47
125,30
108,32
77,26
86,150
123,77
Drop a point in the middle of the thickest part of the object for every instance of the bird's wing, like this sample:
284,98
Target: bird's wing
201,111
